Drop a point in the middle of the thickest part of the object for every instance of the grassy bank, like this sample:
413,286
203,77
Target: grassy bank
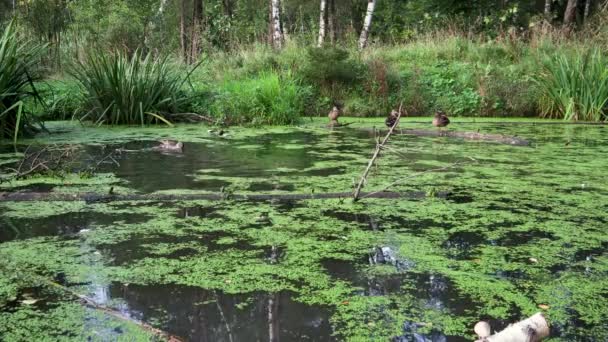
536,75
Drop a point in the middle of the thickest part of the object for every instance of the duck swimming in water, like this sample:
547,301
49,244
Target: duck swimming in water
391,119
440,119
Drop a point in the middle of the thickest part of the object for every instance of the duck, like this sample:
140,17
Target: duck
440,119
334,114
391,119
170,146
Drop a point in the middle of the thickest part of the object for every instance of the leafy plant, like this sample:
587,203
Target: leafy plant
266,99
575,87
129,90
19,68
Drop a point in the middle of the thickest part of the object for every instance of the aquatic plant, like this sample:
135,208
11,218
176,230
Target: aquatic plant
575,87
129,90
18,71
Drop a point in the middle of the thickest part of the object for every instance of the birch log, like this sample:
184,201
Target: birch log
322,23
533,329
277,33
371,6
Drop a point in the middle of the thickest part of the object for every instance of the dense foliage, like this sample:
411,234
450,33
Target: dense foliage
18,71
129,90
477,58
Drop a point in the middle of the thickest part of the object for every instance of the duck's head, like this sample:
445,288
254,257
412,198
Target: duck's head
439,113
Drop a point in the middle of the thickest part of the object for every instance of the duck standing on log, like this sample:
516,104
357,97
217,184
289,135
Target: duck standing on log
391,119
440,119
334,114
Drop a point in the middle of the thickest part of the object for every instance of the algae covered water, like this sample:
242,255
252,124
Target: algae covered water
487,231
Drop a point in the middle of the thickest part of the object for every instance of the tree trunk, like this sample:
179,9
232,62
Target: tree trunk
161,7
227,7
277,34
570,14
182,31
588,4
332,21
197,28
548,9
371,5
322,23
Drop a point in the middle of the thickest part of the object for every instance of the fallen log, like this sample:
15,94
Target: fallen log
23,196
532,329
497,138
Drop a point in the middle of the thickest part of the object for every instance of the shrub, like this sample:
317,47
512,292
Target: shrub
129,90
19,70
265,99
329,67
575,87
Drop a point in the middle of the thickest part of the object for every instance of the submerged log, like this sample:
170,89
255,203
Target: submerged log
497,138
102,198
533,329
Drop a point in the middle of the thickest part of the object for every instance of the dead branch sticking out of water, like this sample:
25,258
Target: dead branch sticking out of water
106,198
417,174
497,138
379,147
90,303
532,329
54,160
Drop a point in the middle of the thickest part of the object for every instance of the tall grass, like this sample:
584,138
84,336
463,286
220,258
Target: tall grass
19,69
264,99
575,87
129,90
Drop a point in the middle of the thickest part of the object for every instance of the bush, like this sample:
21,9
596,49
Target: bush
575,87
58,100
19,70
328,67
265,99
129,90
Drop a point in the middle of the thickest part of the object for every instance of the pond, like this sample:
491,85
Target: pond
483,231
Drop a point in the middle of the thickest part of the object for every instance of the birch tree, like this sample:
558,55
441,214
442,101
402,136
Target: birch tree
322,23
371,6
277,33
570,14
587,8
548,9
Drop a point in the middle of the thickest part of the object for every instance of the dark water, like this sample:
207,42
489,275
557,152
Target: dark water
496,212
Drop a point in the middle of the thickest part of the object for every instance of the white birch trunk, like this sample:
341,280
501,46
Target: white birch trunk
322,23
161,7
548,8
277,34
570,14
371,6
587,9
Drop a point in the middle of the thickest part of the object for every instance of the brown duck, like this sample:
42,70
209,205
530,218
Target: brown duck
440,119
334,114
391,119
